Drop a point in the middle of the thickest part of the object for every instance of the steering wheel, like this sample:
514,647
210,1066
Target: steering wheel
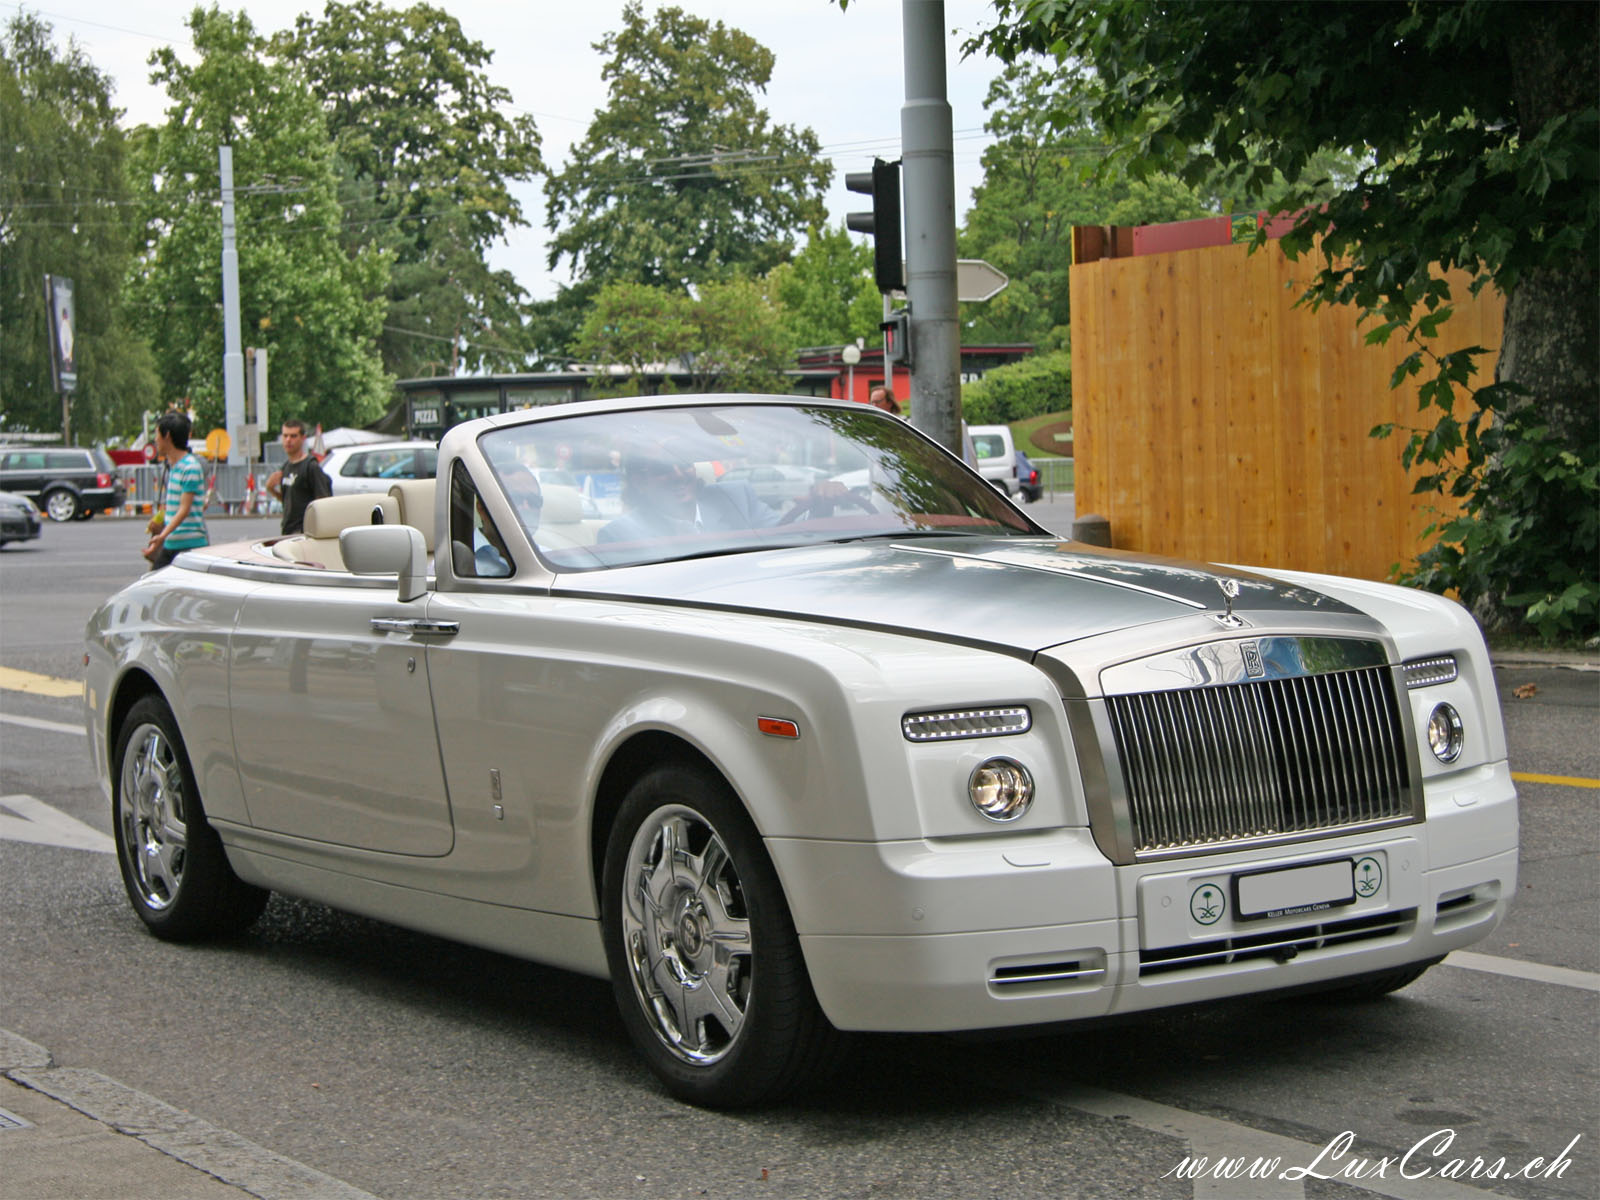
817,505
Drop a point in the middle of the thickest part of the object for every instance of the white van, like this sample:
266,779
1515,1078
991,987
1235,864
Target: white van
996,456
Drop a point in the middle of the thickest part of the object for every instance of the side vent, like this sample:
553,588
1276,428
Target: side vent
1086,970
1466,907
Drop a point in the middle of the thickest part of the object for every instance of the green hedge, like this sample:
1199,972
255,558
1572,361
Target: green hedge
1041,383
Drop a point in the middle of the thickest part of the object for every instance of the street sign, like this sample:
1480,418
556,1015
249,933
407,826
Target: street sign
976,281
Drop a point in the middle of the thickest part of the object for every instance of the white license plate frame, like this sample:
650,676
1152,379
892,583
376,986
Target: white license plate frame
1290,891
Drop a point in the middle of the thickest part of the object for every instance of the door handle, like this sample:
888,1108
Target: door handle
416,627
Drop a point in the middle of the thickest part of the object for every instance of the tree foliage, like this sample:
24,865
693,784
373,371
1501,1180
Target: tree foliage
1052,166
826,293
427,154
728,339
64,210
1030,387
1482,123
315,305
682,178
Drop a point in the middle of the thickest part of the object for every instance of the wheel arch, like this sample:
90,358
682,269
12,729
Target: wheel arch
135,684
640,753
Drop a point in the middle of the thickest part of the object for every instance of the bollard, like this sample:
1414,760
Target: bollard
1092,530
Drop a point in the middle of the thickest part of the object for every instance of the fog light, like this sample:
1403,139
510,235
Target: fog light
1001,789
1444,733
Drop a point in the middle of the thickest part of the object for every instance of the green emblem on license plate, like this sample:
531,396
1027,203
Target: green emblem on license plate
1207,904
1369,877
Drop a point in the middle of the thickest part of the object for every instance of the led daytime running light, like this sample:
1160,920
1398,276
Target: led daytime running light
954,723
1422,672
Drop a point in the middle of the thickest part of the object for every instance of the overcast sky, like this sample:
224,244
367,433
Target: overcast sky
839,73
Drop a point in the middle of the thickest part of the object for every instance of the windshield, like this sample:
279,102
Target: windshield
624,488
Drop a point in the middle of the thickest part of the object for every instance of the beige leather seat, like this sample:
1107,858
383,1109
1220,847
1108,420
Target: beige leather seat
319,545
415,498
561,522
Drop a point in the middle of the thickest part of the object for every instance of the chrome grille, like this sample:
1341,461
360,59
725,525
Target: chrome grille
1210,765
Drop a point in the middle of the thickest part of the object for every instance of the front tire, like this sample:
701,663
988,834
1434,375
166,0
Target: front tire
705,963
1364,989
173,866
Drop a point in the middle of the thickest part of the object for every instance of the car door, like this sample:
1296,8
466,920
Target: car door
332,721
24,472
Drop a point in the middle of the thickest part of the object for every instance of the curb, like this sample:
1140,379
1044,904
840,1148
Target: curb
79,1126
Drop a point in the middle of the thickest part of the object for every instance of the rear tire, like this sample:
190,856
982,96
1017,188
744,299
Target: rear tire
61,505
705,962
173,865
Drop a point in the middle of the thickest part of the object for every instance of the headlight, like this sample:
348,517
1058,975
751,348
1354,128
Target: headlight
1001,789
1444,733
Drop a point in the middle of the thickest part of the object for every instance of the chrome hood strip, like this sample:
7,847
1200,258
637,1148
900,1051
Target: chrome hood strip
1019,595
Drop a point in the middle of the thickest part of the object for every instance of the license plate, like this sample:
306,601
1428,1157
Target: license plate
1292,890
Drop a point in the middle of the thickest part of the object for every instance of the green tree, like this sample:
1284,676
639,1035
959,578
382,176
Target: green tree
636,326
65,209
1051,167
825,293
739,340
682,178
1481,120
728,339
427,154
316,307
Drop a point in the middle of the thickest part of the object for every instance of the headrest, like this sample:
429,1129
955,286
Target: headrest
326,517
562,506
415,498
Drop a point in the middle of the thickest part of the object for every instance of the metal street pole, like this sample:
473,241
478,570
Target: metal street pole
929,187
232,354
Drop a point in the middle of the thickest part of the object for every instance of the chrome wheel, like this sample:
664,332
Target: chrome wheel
687,935
151,815
61,505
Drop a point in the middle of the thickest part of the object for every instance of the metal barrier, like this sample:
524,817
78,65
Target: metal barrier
230,485
230,488
1055,475
142,488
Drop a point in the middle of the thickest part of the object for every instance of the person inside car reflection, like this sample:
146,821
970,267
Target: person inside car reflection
490,556
663,496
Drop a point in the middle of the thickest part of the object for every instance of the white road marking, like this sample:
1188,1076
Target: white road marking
37,723
1517,968
27,819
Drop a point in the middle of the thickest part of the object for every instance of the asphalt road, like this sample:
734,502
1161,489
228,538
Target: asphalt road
411,1067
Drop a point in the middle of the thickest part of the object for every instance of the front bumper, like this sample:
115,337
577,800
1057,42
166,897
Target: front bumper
1013,931
18,527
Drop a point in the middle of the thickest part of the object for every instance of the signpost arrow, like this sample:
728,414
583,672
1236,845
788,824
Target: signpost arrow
976,281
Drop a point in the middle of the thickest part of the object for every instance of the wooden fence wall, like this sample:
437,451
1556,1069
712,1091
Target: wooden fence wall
1215,420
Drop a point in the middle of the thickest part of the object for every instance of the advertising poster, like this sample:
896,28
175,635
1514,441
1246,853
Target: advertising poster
63,317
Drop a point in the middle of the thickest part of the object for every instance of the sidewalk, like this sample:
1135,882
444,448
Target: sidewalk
67,1133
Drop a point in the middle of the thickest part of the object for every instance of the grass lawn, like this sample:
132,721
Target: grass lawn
1022,432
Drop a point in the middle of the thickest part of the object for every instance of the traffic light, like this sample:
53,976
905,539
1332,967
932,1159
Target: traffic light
882,183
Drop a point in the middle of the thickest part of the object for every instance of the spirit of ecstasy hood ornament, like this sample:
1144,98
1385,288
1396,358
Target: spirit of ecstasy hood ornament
1230,591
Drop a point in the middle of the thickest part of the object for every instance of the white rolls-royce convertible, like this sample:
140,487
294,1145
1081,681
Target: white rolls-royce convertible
884,755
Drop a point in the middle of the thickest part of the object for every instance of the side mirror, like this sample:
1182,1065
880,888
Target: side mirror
388,550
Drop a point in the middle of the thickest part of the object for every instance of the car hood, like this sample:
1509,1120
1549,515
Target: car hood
1020,594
